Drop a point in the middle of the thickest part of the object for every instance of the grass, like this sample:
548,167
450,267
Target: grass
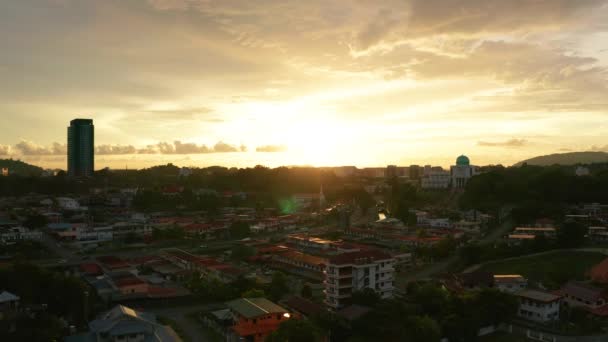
552,270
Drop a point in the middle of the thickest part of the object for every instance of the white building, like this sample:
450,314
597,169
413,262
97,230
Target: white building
14,234
538,306
510,283
351,272
462,172
436,179
582,171
67,203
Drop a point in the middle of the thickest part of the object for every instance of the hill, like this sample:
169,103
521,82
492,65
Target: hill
572,158
17,167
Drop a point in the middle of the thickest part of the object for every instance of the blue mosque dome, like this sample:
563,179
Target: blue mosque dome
463,161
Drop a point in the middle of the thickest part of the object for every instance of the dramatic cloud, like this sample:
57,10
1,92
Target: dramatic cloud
508,143
29,148
417,78
115,149
271,148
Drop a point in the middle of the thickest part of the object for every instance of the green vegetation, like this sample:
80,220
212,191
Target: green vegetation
17,167
535,191
26,250
295,330
572,158
503,337
551,269
60,295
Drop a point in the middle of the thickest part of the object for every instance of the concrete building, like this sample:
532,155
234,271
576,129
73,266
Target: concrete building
510,283
436,179
538,306
583,295
81,148
462,172
351,272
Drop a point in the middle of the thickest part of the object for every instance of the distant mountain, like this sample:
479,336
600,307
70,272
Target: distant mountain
571,158
17,167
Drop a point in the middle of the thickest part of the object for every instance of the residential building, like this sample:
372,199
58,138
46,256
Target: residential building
598,234
585,295
510,283
4,172
548,232
462,172
255,318
351,272
436,179
538,306
9,303
67,203
123,324
81,148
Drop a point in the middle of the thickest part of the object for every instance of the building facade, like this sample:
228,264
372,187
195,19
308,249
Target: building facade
462,172
81,148
351,272
538,306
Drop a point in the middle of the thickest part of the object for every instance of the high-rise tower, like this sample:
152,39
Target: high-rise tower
81,148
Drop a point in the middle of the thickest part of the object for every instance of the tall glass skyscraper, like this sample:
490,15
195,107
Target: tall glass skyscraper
81,148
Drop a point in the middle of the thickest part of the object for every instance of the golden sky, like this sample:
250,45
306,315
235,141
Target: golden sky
317,82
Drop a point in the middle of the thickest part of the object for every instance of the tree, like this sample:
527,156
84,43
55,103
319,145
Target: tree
571,235
241,252
422,329
306,291
278,286
35,221
366,297
240,230
295,330
253,293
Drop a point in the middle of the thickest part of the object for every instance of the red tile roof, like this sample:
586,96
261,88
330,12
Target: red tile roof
91,268
128,281
360,257
599,272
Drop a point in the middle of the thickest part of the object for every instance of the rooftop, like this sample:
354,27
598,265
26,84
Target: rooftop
254,307
539,296
360,257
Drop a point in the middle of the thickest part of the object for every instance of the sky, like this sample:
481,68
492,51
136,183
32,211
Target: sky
315,82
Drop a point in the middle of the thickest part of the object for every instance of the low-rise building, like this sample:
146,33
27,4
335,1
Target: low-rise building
123,324
538,306
255,318
510,283
583,295
548,232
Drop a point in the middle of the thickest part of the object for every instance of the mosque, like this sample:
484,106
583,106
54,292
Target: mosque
462,172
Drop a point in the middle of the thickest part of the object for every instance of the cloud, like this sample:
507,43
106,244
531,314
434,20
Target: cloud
115,149
178,147
29,148
5,150
271,148
596,148
509,143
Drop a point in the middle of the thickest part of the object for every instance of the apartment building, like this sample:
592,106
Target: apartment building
351,272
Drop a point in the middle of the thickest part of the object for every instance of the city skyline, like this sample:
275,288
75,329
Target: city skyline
231,83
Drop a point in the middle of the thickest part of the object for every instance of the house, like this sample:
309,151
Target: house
598,234
548,232
67,203
301,263
538,306
255,318
583,295
8,303
123,324
599,272
303,307
510,283
350,272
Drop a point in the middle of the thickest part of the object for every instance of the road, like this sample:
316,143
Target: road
189,326
444,265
